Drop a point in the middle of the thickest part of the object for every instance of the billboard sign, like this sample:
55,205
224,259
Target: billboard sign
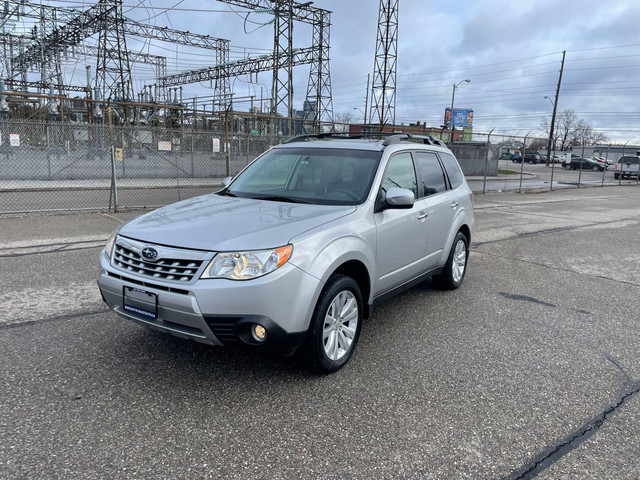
462,117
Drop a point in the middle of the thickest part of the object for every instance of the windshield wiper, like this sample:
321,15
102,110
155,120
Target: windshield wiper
394,182
279,198
227,193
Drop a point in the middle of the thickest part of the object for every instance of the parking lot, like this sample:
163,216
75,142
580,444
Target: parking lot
539,177
531,368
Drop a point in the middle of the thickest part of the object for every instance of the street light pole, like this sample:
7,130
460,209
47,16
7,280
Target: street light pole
453,97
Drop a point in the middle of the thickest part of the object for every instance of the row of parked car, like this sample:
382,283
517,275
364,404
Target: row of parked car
626,166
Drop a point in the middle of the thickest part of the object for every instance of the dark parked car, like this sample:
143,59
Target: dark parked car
584,163
528,158
532,158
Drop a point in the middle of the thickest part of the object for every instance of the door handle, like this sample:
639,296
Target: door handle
454,204
422,215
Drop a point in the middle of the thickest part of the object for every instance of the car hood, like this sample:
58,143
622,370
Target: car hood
217,223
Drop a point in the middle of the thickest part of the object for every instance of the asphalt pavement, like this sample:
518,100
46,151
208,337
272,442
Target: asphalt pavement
530,369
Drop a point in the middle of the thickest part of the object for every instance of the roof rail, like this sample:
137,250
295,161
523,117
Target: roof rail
309,136
425,139
338,135
391,138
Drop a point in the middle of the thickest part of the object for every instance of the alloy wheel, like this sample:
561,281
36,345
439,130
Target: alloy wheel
340,325
459,261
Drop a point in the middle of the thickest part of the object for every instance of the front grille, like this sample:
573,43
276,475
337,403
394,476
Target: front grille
173,269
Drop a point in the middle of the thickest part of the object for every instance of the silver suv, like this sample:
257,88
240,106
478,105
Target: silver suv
296,250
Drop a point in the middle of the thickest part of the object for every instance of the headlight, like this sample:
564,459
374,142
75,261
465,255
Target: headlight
108,248
247,265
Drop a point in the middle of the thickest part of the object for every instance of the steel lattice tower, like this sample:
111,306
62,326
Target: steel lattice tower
282,88
113,72
284,57
49,26
319,87
383,91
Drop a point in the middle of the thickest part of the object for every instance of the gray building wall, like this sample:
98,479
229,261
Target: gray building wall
473,156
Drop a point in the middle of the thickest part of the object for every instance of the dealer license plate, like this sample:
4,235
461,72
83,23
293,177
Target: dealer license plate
140,302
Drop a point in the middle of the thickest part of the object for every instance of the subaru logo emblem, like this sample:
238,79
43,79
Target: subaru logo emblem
150,253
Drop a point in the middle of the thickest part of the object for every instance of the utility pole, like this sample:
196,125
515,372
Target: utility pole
555,108
366,98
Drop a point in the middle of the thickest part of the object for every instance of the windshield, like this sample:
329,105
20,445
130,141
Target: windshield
321,176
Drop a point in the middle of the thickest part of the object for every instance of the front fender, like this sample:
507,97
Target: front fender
321,252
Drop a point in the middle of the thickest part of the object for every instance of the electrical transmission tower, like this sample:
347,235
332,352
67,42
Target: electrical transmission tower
284,57
113,72
49,26
282,88
383,91
319,87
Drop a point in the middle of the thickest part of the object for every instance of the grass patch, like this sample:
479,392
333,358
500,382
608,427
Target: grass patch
507,172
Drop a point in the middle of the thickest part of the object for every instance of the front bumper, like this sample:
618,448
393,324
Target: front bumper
220,311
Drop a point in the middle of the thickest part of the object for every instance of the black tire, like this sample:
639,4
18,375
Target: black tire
616,176
314,348
447,279
568,166
595,168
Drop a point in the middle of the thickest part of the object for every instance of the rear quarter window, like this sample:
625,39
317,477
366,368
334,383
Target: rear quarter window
452,168
633,160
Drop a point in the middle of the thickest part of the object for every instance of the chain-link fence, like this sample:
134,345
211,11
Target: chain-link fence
526,164
54,166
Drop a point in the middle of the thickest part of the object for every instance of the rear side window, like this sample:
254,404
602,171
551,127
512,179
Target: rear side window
453,169
629,159
431,175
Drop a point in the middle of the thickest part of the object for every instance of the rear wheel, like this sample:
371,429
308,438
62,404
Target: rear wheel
595,168
335,326
456,266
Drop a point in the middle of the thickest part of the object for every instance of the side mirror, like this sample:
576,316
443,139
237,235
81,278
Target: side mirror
226,181
400,198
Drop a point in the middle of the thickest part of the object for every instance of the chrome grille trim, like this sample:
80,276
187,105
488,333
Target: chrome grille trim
174,265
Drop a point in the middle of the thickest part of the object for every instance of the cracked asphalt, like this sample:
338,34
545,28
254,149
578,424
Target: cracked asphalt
530,369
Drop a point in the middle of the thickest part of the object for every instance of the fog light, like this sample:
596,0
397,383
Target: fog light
258,332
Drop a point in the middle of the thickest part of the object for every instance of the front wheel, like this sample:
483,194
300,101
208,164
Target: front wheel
567,166
335,325
456,266
595,168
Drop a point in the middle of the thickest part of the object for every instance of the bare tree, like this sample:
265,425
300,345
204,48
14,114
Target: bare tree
571,130
345,117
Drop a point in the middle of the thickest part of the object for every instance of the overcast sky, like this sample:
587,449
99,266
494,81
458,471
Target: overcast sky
510,51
